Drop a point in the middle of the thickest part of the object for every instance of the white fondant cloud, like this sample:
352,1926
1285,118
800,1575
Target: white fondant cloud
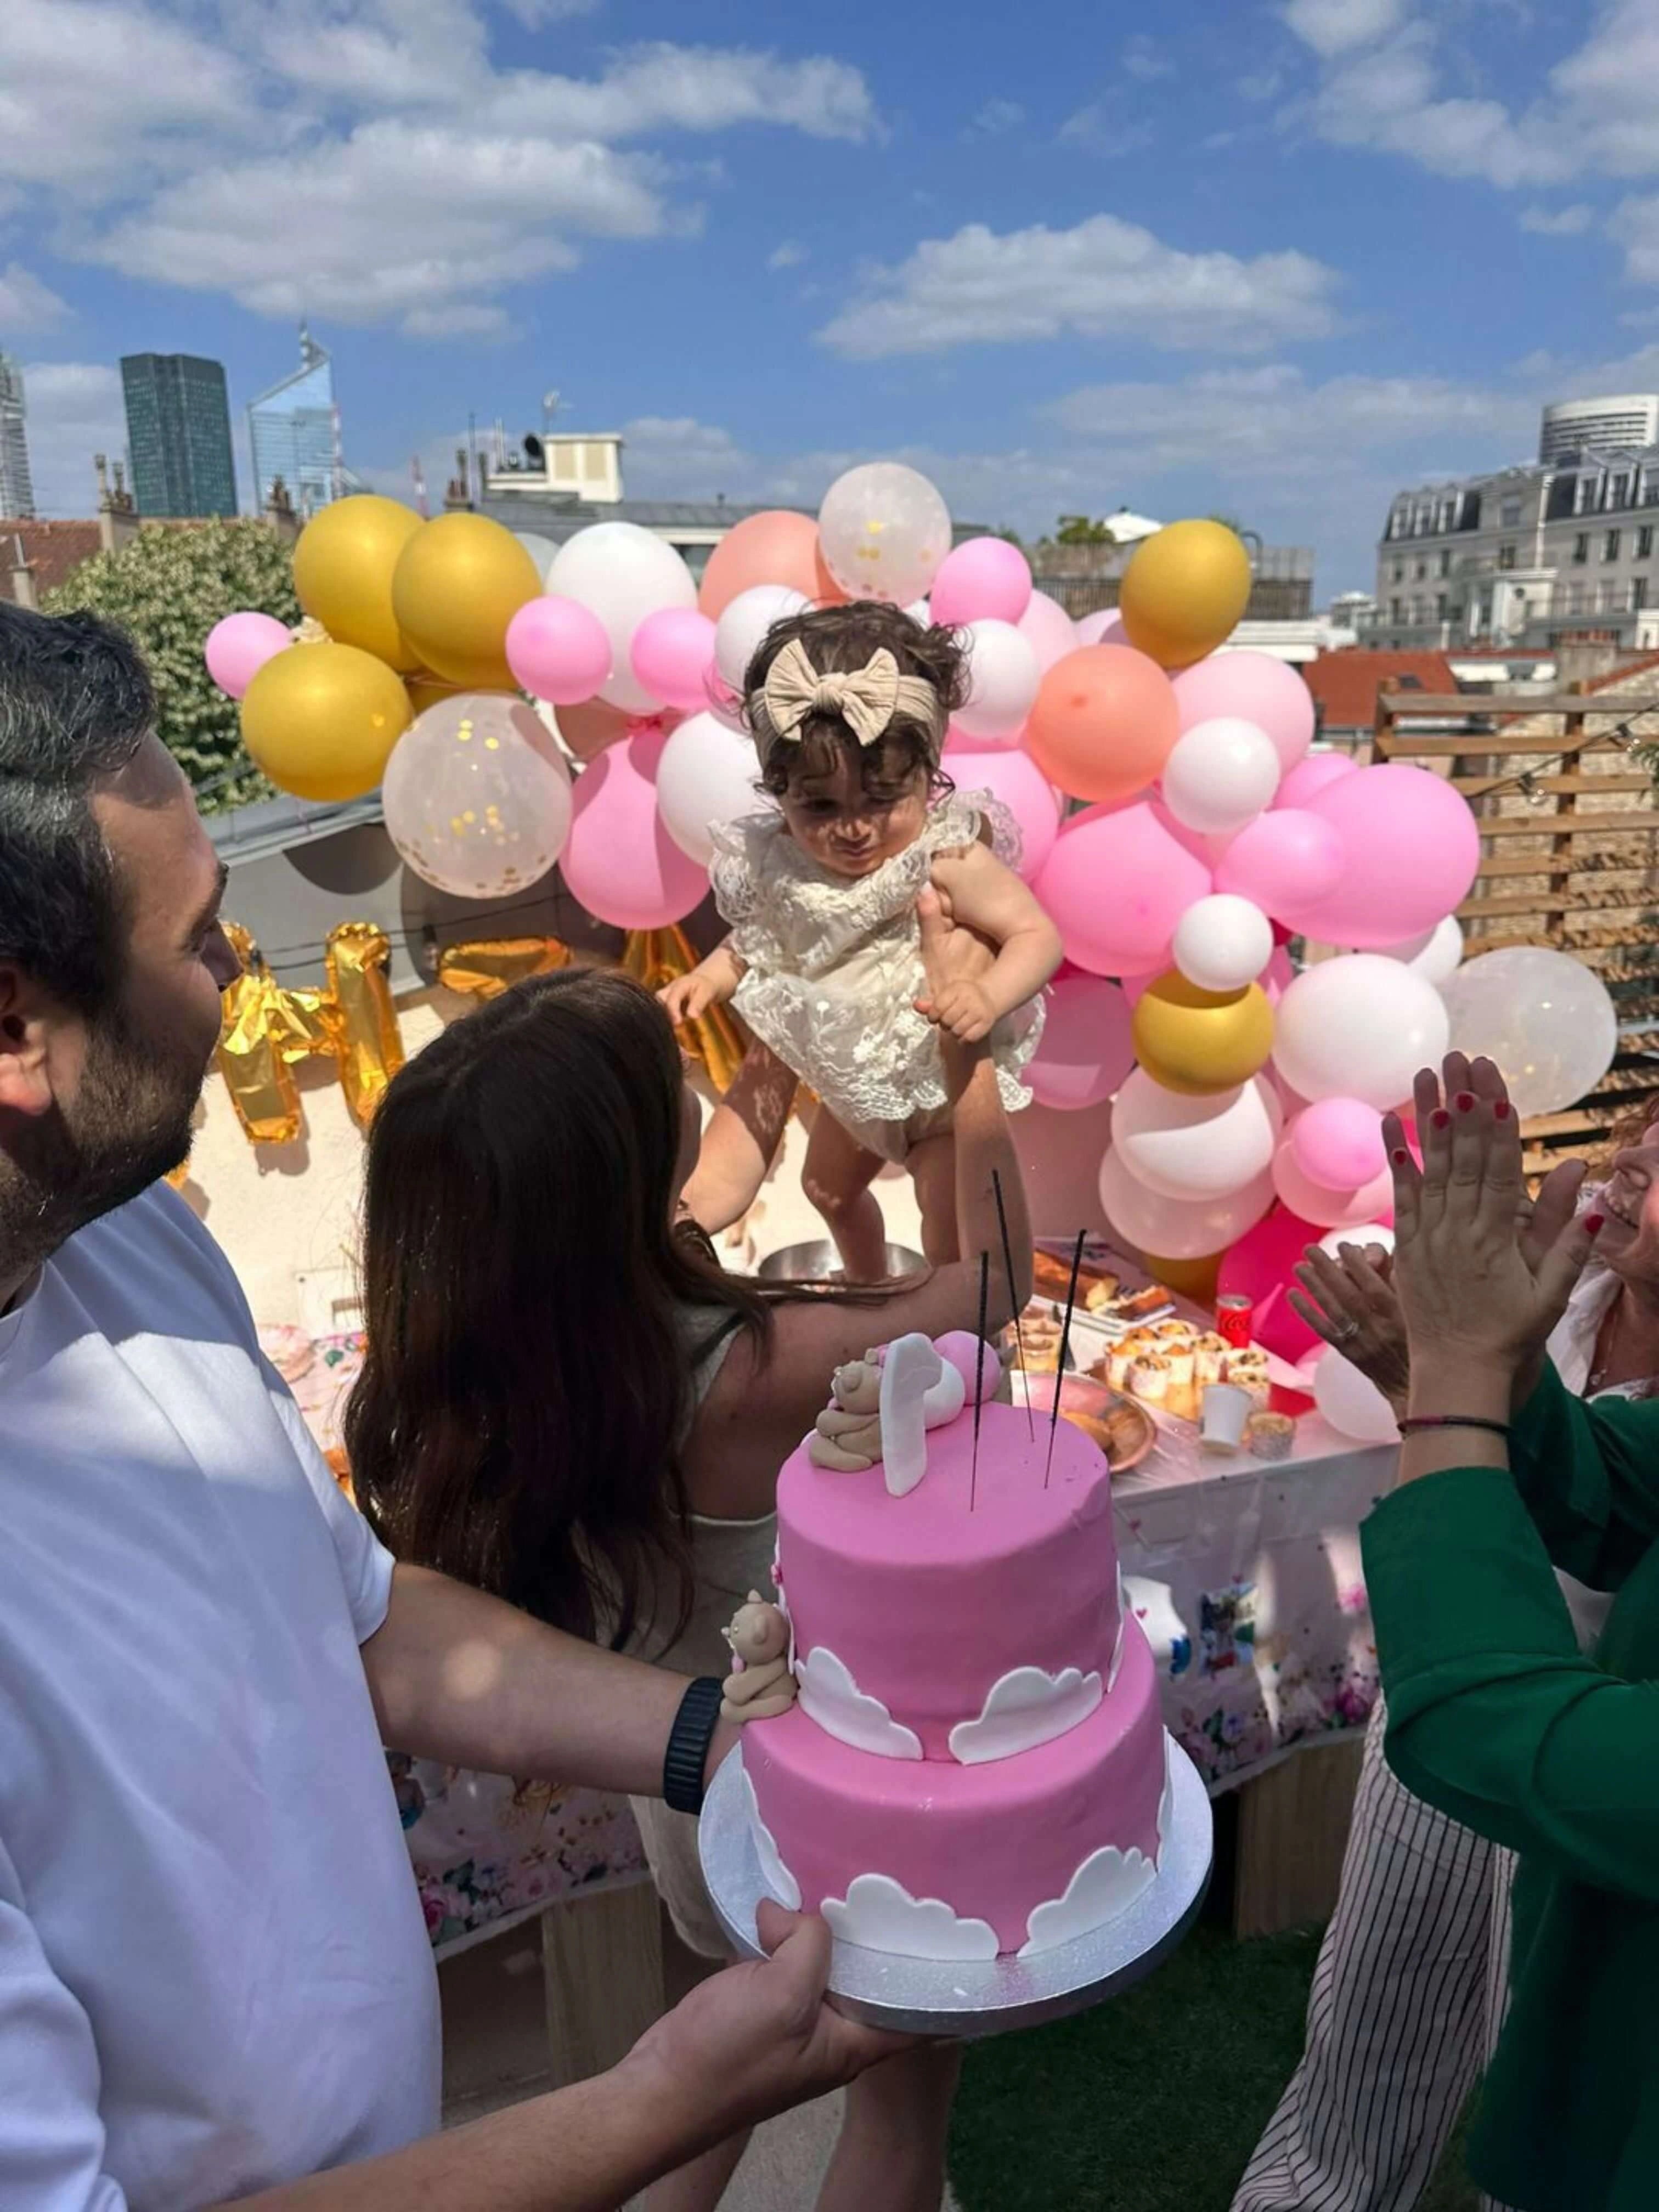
830,1696
774,1873
1027,1707
881,1915
1117,1648
1107,1883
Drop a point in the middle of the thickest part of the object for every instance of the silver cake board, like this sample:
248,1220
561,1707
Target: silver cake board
968,1999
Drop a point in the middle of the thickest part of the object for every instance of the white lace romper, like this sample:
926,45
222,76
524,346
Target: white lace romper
833,967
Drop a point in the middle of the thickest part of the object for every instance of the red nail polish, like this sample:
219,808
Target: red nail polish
1593,1223
1440,1118
1401,1156
1465,1102
1501,1110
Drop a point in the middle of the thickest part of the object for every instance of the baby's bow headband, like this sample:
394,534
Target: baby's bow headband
867,698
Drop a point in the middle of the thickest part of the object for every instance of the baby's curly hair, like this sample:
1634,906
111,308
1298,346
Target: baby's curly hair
842,639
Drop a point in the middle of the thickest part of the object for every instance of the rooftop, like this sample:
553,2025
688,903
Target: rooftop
1344,683
54,550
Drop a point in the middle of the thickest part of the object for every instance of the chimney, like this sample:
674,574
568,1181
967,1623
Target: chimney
117,516
279,512
22,576
1582,656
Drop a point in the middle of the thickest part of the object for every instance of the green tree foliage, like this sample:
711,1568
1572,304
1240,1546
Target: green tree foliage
1080,530
167,588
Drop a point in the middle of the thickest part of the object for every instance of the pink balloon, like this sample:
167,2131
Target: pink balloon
1338,1143
1314,775
1103,628
985,579
558,650
1135,987
620,862
1412,850
1255,687
1258,1267
1115,885
1014,778
672,654
1284,861
1049,628
1347,1209
1277,978
238,647
1086,1048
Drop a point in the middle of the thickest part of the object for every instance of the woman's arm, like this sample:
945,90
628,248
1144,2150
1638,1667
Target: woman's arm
985,896
1588,1472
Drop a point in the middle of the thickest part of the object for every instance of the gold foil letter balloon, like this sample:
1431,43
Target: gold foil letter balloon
321,721
477,796
343,568
459,581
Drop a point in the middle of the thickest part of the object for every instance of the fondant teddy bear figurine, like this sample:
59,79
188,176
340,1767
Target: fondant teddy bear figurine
760,1685
846,1435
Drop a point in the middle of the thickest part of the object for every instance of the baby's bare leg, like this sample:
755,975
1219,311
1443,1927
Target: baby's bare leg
933,1166
837,1178
743,1133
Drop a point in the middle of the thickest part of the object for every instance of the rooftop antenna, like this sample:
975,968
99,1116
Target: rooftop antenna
419,474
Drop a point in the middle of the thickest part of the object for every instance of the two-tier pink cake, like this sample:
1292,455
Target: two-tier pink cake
976,1763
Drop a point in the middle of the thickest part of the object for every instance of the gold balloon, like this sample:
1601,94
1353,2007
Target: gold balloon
1200,1042
343,567
321,721
459,583
425,690
1184,592
1188,1279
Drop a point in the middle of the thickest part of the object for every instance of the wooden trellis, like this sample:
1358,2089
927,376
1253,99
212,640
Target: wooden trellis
1568,825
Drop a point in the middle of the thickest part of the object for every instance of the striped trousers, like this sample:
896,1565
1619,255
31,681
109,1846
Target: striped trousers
1406,2000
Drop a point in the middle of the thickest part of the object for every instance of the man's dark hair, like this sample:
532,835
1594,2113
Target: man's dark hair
76,702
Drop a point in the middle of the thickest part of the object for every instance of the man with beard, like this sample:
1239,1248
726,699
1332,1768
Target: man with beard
214,1981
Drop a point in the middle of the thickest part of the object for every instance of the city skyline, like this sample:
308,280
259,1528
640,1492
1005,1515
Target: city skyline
1274,257
178,420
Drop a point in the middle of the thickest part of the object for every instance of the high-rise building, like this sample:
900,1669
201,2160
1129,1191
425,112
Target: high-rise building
1624,419
179,434
16,491
293,429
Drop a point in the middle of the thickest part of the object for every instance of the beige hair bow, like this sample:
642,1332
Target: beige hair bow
867,698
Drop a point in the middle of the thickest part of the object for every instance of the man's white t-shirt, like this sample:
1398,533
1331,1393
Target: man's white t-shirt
214,1971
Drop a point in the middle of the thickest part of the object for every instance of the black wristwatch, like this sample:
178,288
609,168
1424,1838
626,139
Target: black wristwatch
688,1740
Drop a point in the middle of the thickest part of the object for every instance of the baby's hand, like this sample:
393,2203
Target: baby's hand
687,996
965,1009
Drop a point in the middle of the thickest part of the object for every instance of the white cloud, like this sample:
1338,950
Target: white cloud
1559,222
1026,1707
26,304
789,255
1104,278
881,1915
74,409
1333,27
1102,127
830,1696
1144,58
997,117
366,159
1635,224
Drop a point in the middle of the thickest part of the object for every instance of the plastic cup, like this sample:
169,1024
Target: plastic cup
1225,1410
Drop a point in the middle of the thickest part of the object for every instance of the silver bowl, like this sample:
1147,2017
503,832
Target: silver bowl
819,1261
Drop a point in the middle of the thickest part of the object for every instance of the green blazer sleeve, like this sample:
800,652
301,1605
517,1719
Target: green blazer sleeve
1493,1714
1589,1471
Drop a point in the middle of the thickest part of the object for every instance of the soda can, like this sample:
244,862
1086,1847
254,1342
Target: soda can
1233,1315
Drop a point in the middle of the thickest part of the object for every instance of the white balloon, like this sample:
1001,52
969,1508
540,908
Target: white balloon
746,622
1369,1232
884,531
541,551
1195,1148
623,573
706,774
1544,1018
921,613
1221,774
1436,954
1176,1228
1358,1027
1223,942
1353,1406
1002,682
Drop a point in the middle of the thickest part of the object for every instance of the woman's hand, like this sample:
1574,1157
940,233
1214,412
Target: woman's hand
1351,1303
1480,1288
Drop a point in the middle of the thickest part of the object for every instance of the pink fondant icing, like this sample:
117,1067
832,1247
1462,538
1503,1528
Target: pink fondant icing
993,1842
927,1604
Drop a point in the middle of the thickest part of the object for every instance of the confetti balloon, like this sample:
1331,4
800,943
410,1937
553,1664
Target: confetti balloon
1543,1016
477,796
884,531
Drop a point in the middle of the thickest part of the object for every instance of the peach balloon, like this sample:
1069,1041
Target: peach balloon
777,547
1105,721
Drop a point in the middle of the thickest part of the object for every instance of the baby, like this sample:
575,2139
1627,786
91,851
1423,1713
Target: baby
849,707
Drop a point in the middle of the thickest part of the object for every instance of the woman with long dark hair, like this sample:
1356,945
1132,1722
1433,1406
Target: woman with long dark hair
566,1400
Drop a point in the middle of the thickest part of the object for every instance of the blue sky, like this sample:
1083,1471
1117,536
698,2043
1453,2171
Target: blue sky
1274,257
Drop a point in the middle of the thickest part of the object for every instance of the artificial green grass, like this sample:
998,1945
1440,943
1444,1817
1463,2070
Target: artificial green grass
1150,2103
